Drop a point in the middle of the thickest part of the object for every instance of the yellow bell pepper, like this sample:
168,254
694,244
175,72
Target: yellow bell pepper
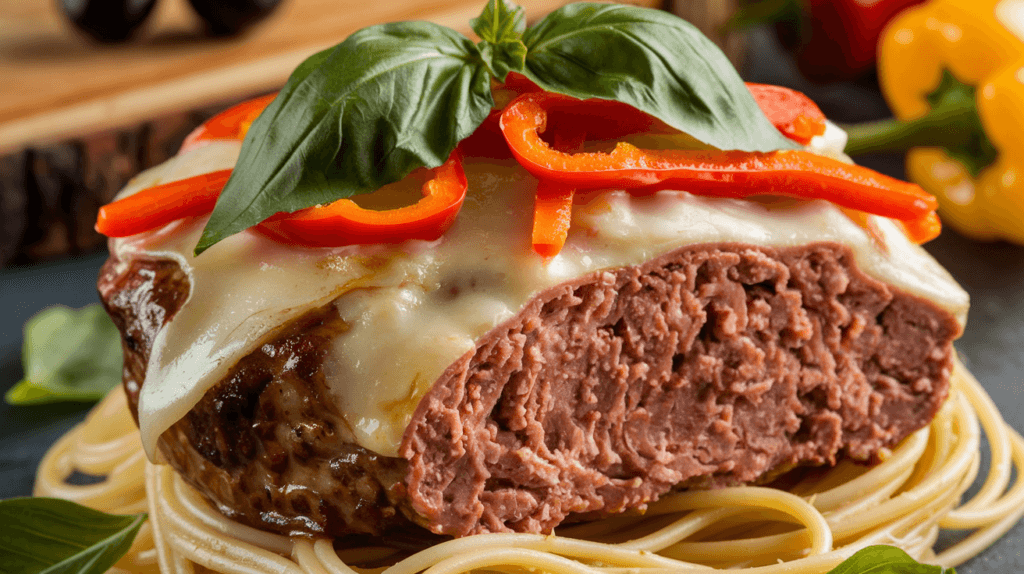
952,72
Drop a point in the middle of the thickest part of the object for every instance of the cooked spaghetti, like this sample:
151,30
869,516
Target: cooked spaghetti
822,518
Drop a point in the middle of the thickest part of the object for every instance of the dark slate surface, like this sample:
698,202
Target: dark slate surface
25,432
992,346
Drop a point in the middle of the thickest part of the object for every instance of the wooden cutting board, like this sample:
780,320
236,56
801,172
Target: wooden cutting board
55,85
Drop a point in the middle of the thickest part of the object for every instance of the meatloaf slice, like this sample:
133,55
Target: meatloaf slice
713,365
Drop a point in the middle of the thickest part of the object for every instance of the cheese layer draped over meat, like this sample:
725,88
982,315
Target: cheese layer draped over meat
413,309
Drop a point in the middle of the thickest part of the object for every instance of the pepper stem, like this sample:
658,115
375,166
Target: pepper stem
938,128
951,123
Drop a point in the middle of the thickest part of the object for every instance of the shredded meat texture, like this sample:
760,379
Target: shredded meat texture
712,365
715,364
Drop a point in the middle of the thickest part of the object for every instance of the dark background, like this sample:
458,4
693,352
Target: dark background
993,274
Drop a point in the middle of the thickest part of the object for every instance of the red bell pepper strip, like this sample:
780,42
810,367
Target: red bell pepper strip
791,112
340,223
346,223
552,213
724,174
552,208
157,206
487,140
231,124
923,229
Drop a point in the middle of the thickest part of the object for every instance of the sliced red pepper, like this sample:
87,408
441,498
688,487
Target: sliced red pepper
157,206
923,229
487,140
552,208
724,174
340,223
552,213
346,223
520,84
231,124
790,111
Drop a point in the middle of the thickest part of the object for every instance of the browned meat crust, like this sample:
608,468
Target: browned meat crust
713,365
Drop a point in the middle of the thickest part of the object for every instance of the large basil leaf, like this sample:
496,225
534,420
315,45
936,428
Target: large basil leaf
68,355
654,61
387,100
886,560
54,536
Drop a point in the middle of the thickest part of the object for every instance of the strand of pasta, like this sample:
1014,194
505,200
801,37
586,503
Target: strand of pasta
306,557
164,559
748,548
993,496
1001,464
77,450
194,505
1009,508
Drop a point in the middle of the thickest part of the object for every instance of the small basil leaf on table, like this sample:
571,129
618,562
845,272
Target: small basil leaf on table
653,61
68,355
55,536
886,560
353,118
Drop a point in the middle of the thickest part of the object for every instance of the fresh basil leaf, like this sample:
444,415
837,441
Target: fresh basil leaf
501,21
886,560
54,536
68,355
504,57
389,99
653,61
501,27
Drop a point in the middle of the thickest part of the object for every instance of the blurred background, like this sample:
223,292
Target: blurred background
90,96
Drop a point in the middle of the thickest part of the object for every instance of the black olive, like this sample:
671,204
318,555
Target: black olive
226,17
107,20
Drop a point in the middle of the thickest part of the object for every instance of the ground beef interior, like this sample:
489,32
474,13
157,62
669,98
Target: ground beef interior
712,365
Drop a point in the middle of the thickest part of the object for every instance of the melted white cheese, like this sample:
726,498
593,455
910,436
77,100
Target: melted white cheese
413,309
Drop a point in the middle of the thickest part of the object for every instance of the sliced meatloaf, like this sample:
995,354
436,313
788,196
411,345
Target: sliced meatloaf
712,365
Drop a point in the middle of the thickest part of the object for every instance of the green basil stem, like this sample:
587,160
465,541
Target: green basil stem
952,123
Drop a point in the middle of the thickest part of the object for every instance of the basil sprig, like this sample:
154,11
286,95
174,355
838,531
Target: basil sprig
396,97
353,118
886,560
55,536
501,27
68,355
